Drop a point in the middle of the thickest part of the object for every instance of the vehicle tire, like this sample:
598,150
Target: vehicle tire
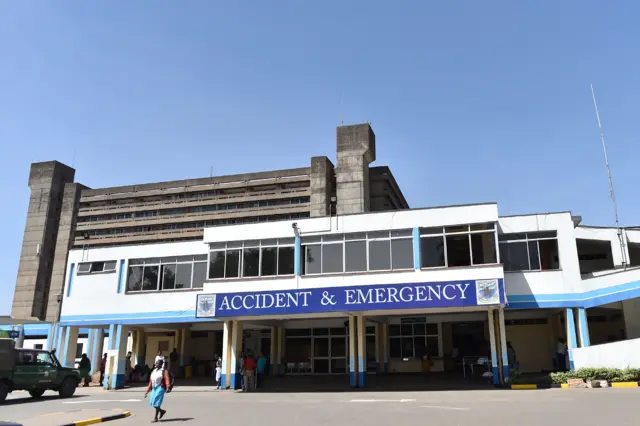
4,391
36,393
68,387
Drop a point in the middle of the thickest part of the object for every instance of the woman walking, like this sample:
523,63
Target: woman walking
158,384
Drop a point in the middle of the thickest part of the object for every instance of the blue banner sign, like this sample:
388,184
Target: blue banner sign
448,294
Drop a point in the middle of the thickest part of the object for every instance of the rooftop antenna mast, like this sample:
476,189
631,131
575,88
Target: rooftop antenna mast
611,191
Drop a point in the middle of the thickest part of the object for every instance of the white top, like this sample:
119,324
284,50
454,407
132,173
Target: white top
160,358
156,377
561,348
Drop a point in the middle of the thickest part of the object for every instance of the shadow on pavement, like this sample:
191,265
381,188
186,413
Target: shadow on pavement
28,399
177,419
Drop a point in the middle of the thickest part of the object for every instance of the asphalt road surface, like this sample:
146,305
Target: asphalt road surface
194,406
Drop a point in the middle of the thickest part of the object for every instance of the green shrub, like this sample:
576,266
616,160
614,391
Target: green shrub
610,374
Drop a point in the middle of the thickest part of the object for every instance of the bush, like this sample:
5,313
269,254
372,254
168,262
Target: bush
610,374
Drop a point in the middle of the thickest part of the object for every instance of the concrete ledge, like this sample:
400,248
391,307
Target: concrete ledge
99,419
566,386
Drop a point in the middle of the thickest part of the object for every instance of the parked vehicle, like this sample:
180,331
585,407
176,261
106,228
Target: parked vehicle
35,371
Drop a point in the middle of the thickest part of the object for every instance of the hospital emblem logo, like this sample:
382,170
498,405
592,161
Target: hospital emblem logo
487,292
206,306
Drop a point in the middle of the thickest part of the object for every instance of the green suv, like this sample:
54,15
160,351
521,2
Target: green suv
35,371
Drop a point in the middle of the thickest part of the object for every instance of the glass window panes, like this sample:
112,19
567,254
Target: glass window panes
169,276
355,256
199,273
269,265
150,277
483,248
313,259
332,258
379,255
531,251
183,274
432,252
251,262
458,253
216,264
134,278
232,264
285,260
402,254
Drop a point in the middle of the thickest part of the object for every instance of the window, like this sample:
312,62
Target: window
78,350
358,252
44,359
168,273
251,258
460,245
97,267
37,346
532,251
413,340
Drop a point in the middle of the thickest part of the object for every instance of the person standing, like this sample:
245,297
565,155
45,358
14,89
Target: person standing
561,355
103,367
218,373
160,357
158,384
174,358
85,370
511,356
249,372
262,367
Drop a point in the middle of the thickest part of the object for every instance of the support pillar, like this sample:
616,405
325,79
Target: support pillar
385,348
184,350
494,350
571,335
51,337
378,329
273,356
97,350
503,344
19,341
362,349
281,349
235,381
140,345
583,327
120,357
59,343
110,351
68,358
225,377
353,352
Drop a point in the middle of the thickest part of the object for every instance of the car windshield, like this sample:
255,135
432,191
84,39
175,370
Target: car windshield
43,358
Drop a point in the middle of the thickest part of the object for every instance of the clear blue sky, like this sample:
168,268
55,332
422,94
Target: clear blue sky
470,101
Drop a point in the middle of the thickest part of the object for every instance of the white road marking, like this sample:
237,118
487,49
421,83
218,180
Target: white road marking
442,407
383,400
101,400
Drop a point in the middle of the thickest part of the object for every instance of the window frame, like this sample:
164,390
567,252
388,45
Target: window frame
93,267
531,237
413,335
443,233
225,247
160,263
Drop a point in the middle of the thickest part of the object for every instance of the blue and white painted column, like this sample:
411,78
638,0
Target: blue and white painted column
572,341
140,347
417,263
19,341
583,327
68,358
59,342
353,352
109,367
97,348
88,348
184,350
494,351
378,349
118,374
362,349
51,337
225,376
503,344
235,381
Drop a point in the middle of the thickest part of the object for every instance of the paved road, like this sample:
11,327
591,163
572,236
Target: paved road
195,407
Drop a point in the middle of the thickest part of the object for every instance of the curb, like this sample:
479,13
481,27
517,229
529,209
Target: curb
99,419
566,386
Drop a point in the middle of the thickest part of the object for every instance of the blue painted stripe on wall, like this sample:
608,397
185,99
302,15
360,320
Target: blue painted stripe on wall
167,314
223,381
587,299
496,376
584,327
297,257
110,344
70,282
134,321
416,248
118,337
121,277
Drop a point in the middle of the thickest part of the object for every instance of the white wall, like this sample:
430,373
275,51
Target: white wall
403,219
624,354
93,294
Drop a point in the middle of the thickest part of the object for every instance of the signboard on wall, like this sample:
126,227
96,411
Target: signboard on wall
448,294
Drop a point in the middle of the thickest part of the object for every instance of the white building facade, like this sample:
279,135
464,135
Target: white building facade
432,290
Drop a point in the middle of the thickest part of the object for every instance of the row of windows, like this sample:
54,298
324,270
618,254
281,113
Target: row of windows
533,251
413,340
190,225
167,273
252,258
463,245
198,209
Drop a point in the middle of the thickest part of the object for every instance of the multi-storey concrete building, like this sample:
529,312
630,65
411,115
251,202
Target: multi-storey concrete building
64,214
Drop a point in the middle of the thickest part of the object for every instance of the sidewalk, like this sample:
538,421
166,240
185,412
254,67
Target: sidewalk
77,418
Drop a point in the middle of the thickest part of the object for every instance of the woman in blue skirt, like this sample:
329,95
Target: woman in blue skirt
159,382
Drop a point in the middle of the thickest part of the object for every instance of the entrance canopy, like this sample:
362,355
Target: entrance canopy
410,296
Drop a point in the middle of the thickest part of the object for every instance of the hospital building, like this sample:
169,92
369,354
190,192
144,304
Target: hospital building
324,269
